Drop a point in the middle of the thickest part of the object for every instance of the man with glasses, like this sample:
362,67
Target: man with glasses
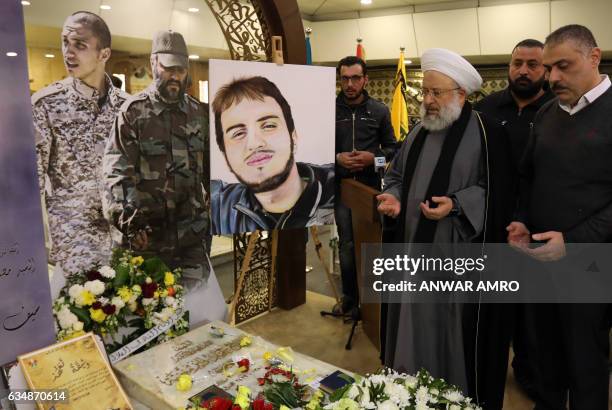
363,132
447,185
515,107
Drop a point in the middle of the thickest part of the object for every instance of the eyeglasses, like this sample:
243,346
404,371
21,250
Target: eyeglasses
435,92
353,78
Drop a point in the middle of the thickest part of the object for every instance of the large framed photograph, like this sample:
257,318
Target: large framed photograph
272,146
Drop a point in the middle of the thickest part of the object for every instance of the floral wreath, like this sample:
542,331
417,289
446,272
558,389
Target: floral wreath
132,292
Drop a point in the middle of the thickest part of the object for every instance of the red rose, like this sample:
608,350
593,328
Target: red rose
148,289
96,305
93,275
109,309
260,404
236,407
244,363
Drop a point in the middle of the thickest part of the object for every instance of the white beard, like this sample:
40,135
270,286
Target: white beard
447,115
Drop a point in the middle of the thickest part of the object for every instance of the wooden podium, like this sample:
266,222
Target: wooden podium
367,228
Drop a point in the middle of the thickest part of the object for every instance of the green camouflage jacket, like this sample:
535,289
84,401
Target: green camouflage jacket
156,174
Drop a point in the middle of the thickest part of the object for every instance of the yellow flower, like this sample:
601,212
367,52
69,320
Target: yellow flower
244,391
137,260
85,298
245,341
97,315
283,407
267,356
314,402
184,382
156,295
168,279
124,293
164,293
242,397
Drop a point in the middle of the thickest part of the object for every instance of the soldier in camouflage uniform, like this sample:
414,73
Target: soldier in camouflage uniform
72,119
156,167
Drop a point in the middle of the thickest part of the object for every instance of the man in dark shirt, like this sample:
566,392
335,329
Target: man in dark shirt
516,105
566,198
515,108
363,132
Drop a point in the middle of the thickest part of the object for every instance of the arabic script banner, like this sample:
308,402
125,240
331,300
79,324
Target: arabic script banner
26,321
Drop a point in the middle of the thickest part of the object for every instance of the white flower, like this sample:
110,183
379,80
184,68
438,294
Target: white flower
66,318
171,301
103,300
95,286
164,315
387,405
365,400
149,280
422,405
75,291
454,407
377,379
352,392
107,272
454,396
147,301
132,305
77,327
397,393
422,394
118,302
411,382
434,392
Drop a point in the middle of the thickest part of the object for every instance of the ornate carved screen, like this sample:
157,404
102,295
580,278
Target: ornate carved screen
244,27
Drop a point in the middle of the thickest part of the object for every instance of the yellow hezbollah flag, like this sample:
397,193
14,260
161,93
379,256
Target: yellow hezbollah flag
399,107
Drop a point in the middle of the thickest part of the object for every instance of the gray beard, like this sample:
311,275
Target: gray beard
445,118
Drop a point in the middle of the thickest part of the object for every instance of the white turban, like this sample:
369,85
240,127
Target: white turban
453,65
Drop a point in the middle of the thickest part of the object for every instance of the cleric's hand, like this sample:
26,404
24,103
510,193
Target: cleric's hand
388,205
445,205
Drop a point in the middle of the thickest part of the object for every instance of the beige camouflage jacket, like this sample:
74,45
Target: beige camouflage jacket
71,131
156,173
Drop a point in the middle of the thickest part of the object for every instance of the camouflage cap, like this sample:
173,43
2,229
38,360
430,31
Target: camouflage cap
170,48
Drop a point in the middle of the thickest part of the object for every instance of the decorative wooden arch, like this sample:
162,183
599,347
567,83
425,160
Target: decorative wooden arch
248,27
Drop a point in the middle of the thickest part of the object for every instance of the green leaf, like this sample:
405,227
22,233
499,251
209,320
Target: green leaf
82,314
122,275
155,268
339,394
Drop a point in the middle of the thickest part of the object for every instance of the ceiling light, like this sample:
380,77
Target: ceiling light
11,54
194,57
193,9
408,62
105,7
49,55
366,1
25,3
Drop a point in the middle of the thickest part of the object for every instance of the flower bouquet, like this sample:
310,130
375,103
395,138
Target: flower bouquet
129,293
390,390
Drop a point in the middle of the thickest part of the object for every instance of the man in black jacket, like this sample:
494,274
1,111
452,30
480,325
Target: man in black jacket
566,198
255,131
515,108
363,132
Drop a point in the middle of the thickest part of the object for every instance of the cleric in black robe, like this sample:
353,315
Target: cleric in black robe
459,160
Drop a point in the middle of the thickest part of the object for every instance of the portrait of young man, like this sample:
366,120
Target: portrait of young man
256,132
